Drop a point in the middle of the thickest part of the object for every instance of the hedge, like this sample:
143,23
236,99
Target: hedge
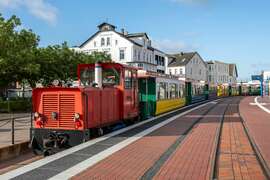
16,106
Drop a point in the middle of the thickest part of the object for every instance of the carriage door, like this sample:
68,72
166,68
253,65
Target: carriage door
130,94
188,93
206,91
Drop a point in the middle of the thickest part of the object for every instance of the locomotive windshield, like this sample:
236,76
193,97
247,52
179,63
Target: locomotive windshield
110,77
87,77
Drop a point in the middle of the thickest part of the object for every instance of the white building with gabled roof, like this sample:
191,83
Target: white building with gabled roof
221,72
188,66
128,48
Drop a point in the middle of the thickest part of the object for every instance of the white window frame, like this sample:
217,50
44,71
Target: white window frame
124,53
102,41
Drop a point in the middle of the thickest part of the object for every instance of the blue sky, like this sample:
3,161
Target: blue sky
236,31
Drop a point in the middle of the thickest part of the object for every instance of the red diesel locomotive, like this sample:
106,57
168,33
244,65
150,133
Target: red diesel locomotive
64,117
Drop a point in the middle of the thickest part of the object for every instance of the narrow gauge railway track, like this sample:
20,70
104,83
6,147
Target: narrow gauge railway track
237,156
145,158
150,174
193,157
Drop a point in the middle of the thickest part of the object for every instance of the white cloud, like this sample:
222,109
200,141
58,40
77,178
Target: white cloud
9,3
39,8
173,46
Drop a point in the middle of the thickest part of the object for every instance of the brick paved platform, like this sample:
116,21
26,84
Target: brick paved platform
133,161
70,162
194,155
236,158
177,146
258,124
194,159
265,100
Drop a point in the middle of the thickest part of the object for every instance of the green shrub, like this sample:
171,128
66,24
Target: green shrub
16,106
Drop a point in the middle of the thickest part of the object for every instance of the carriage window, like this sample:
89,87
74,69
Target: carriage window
182,90
110,77
128,79
177,90
172,89
162,91
193,90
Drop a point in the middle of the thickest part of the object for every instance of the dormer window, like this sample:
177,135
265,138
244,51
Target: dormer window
102,42
106,27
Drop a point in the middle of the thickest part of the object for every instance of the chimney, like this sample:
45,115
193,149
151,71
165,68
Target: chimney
98,74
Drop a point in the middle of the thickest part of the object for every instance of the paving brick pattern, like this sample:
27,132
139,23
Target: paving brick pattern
194,158
134,160
258,123
265,100
236,158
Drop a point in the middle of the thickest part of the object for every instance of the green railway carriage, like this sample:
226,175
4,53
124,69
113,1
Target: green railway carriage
147,96
250,89
159,93
196,91
234,90
254,90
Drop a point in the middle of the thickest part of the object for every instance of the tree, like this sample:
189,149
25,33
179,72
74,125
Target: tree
59,62
17,49
21,60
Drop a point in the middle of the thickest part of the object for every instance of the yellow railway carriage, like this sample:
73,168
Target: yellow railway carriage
170,94
159,93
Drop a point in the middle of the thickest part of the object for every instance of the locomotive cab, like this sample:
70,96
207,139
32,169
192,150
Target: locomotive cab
65,117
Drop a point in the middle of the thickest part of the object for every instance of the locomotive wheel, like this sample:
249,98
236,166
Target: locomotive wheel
48,152
36,148
100,132
128,122
107,129
37,152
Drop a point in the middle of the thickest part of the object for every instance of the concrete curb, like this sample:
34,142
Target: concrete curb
13,150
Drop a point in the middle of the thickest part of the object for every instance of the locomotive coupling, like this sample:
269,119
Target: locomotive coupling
55,142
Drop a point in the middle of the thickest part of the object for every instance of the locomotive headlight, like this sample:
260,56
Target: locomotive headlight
36,115
54,115
76,116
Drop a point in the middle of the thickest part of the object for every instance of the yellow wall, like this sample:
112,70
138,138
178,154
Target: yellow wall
167,105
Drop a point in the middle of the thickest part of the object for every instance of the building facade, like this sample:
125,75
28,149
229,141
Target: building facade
266,75
161,60
188,66
127,48
233,74
220,72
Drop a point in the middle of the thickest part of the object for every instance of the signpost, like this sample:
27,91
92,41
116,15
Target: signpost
258,78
